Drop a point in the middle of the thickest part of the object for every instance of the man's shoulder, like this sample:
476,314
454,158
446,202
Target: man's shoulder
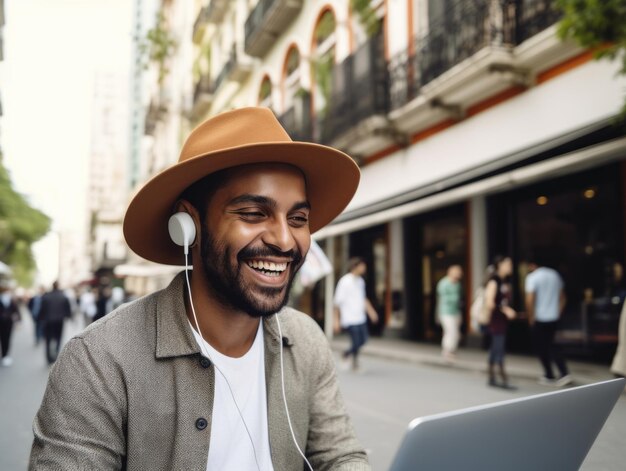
548,273
127,323
294,318
298,326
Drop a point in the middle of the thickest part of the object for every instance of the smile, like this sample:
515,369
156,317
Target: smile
267,268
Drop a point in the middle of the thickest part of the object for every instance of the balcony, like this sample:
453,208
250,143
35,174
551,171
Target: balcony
202,97
297,119
533,17
200,25
356,120
470,54
236,69
267,21
225,72
216,10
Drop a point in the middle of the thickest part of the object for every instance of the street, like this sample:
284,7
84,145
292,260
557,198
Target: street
381,400
388,395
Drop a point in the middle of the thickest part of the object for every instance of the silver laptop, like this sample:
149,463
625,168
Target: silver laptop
552,432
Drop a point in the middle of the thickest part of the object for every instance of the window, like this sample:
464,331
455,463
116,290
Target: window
265,93
292,76
324,60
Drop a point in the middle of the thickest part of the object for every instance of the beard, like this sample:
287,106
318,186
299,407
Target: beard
227,284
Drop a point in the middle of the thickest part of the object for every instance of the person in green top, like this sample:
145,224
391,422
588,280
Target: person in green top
449,310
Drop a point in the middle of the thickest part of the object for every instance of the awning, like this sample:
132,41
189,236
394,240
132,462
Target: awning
573,162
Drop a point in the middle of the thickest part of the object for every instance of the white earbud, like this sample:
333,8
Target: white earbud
182,230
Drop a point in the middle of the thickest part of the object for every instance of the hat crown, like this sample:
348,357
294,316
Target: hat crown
246,126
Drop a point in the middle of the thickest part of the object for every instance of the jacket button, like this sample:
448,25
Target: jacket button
201,423
205,362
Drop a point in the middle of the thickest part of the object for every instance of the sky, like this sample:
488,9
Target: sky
52,50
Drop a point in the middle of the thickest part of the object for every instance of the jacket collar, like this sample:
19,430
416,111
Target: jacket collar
173,332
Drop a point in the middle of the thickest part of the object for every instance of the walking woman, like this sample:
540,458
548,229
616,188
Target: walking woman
498,300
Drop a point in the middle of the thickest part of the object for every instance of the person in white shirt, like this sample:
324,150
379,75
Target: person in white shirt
351,306
545,300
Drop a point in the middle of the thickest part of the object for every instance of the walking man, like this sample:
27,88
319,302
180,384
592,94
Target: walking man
213,372
545,300
351,306
55,308
449,310
9,314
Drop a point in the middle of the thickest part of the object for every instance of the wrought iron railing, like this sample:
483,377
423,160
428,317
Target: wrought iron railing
255,20
297,119
533,16
360,89
466,28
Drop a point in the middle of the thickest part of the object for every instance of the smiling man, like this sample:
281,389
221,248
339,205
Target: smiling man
214,372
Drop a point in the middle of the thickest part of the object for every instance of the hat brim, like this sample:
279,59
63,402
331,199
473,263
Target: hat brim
331,176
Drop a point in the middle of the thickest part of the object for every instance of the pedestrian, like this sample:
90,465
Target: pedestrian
479,314
87,304
449,310
55,308
103,302
213,372
545,301
34,306
351,307
9,315
498,300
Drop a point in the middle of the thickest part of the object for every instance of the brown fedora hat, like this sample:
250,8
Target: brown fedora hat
239,137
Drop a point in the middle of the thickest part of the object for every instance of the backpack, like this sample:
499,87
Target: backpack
479,314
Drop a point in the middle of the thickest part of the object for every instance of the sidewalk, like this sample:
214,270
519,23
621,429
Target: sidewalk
470,359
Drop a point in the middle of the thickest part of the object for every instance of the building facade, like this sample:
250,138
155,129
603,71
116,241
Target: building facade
478,132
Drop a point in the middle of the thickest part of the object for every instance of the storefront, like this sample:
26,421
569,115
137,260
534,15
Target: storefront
575,224
563,200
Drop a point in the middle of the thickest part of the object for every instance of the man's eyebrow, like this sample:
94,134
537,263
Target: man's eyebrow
301,205
265,201
250,198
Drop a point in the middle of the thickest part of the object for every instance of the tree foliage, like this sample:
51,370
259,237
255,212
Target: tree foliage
159,46
598,25
21,225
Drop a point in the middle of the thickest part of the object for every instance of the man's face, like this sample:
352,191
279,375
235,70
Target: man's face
256,237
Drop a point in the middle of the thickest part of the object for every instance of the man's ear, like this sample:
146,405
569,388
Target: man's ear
186,207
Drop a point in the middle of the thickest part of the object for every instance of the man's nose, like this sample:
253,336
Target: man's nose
279,235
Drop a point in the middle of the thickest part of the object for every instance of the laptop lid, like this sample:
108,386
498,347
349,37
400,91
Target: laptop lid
551,431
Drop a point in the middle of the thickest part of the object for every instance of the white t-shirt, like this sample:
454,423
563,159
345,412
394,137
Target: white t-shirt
230,446
350,299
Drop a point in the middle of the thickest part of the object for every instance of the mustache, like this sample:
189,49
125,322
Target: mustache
268,251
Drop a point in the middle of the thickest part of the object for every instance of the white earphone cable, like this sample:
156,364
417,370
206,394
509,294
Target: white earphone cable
193,310
282,383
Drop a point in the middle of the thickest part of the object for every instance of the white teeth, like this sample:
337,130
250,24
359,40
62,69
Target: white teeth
269,266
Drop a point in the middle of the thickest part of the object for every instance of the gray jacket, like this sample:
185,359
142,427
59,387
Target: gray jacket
133,392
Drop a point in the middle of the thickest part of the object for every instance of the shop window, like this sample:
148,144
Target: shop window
574,225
